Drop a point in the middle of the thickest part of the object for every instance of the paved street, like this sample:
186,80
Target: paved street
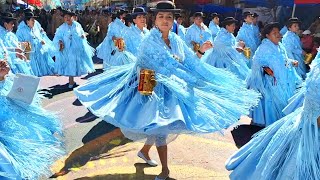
96,150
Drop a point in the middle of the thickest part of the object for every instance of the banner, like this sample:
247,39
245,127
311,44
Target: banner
306,1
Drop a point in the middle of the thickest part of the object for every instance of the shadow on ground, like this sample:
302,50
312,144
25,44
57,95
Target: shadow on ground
138,175
98,71
88,117
98,130
52,91
97,143
243,134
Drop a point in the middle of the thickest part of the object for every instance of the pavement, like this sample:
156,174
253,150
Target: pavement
96,150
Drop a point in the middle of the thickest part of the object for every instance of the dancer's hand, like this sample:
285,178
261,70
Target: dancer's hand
21,56
61,45
295,63
4,69
206,46
19,50
268,71
241,44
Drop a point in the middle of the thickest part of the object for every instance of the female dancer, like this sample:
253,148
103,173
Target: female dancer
224,53
107,48
75,54
247,34
190,96
40,59
273,75
28,143
11,43
287,149
291,41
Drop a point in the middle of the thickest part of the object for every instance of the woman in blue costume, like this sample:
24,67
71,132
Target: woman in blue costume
178,28
190,96
296,101
214,25
289,148
273,75
224,53
29,144
107,49
247,34
40,59
291,41
133,36
198,33
11,44
40,32
256,28
75,54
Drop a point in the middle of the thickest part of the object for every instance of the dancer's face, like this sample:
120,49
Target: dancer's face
216,20
140,21
67,19
179,20
230,28
164,21
249,19
294,28
9,26
198,20
274,36
31,22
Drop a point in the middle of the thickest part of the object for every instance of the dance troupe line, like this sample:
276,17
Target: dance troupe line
164,82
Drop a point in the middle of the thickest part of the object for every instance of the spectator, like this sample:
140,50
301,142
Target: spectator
307,41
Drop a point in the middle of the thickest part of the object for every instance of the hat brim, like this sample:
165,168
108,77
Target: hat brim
69,13
138,13
31,16
9,18
229,22
164,10
292,22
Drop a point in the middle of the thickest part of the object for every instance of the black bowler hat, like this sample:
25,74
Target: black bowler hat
29,15
247,13
68,12
27,11
255,15
177,15
128,18
292,21
228,21
199,14
121,12
8,16
165,6
213,15
138,11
